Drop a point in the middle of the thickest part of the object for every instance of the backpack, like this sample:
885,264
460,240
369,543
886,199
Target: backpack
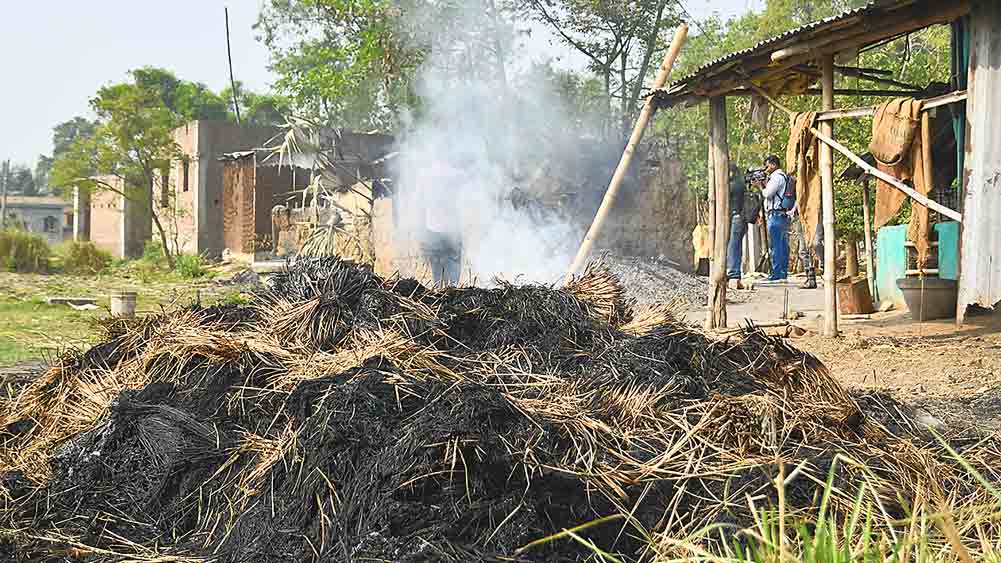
752,207
788,198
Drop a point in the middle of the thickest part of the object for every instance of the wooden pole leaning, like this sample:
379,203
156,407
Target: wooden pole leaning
608,202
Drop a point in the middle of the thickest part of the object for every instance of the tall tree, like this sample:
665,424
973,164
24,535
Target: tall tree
63,137
620,41
264,110
21,181
345,61
189,100
133,141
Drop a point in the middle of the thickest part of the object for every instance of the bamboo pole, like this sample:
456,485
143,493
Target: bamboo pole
870,268
827,184
719,161
627,155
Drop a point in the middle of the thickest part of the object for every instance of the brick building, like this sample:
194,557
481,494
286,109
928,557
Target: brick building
188,195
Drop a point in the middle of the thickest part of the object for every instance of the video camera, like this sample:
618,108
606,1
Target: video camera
753,175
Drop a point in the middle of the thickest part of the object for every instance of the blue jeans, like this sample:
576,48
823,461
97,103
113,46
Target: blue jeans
778,242
735,252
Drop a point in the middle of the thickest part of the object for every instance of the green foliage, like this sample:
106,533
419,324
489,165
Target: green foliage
188,100
21,251
350,61
21,181
620,40
153,253
83,258
264,110
191,266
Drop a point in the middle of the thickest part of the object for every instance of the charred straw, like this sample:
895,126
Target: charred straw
342,416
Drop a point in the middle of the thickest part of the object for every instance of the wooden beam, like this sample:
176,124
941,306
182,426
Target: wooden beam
929,104
719,159
929,203
827,185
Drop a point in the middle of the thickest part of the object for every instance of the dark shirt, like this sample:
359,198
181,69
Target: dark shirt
737,189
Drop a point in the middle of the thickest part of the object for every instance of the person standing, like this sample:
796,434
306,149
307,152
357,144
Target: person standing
738,227
777,215
442,237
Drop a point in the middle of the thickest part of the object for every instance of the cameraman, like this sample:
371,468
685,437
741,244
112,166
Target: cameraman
778,217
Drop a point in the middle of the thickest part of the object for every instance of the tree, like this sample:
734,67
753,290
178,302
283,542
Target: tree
343,61
189,100
263,110
132,141
63,137
619,39
357,63
21,181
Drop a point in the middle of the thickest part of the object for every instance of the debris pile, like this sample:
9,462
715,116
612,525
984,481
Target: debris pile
653,281
346,417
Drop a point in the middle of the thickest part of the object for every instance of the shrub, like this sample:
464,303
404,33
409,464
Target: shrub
84,258
153,253
21,251
190,266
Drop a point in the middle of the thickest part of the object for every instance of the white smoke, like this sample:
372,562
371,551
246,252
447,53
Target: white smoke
474,140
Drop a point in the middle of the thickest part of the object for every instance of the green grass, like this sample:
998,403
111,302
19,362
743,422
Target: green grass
33,329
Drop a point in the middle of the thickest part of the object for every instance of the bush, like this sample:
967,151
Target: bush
84,258
153,254
190,266
21,251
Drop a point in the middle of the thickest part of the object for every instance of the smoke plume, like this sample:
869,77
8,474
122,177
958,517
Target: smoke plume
477,136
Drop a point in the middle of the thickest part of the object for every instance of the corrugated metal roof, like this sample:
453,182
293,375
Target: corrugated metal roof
769,43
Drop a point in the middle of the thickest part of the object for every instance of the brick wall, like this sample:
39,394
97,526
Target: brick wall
238,206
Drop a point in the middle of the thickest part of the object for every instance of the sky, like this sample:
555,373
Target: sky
57,53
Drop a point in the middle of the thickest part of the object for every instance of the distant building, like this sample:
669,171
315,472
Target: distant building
50,217
192,184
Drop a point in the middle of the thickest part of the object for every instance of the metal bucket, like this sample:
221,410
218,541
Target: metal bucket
123,304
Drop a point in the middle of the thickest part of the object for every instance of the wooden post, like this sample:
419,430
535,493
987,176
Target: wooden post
827,182
870,269
627,156
719,185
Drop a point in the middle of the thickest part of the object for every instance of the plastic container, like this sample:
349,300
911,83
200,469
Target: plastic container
929,298
123,304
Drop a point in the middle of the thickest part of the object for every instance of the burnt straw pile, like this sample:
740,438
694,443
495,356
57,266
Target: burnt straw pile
345,417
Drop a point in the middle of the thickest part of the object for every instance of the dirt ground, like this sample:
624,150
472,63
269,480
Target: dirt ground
952,374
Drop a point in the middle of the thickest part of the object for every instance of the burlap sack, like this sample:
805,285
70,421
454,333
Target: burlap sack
894,127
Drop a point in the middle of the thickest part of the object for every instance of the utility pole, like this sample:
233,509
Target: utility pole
232,81
3,193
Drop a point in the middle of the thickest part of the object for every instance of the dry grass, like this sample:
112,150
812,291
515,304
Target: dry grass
674,461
